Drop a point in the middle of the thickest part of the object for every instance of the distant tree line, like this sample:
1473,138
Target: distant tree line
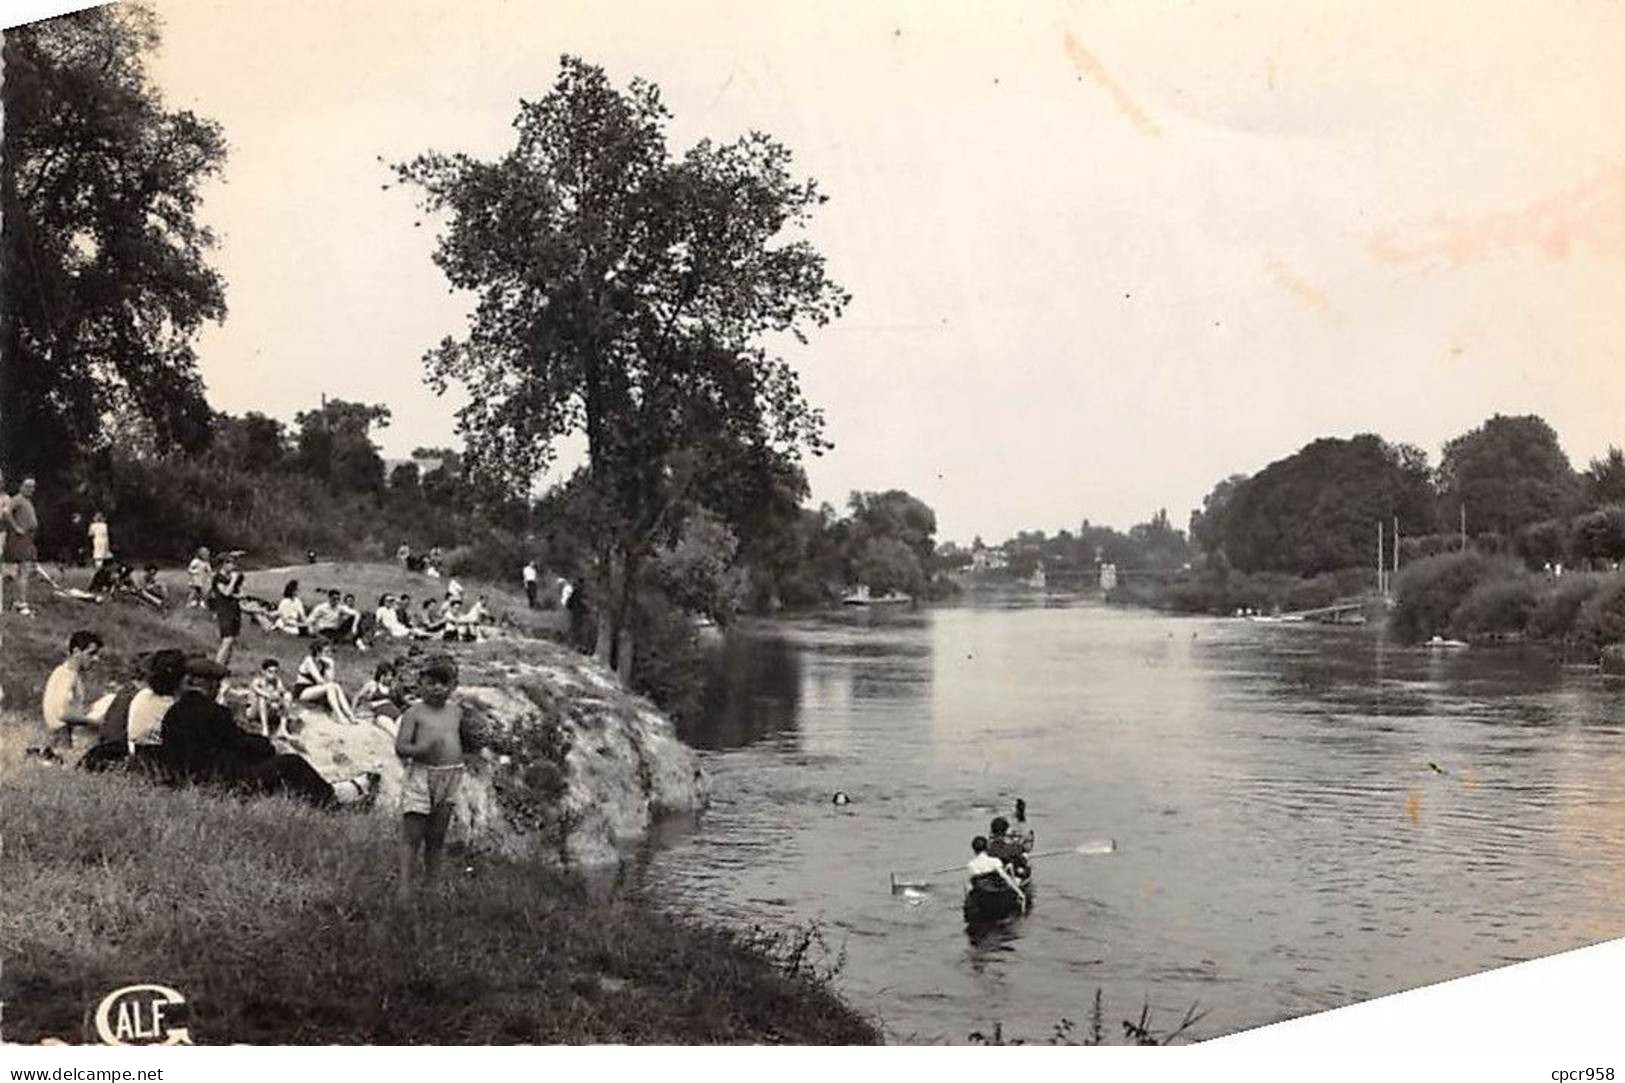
1508,480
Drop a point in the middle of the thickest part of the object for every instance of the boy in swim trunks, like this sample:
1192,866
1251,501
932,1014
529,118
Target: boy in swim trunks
430,743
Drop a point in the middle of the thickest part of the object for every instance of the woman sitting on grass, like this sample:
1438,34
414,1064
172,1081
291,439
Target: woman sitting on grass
317,682
377,696
433,625
291,618
388,621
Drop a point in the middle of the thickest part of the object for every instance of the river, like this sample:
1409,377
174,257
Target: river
1283,844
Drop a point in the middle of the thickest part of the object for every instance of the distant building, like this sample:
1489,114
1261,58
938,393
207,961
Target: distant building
988,560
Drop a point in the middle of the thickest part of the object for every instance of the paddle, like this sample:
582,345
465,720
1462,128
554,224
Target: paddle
1092,846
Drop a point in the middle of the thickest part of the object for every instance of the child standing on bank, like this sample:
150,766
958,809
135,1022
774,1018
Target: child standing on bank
198,574
273,703
430,744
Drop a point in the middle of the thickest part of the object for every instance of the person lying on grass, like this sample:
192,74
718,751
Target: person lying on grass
317,682
202,744
67,722
429,743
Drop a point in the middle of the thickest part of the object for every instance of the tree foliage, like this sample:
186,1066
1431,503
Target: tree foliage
1508,472
625,294
1605,478
335,444
1317,510
106,283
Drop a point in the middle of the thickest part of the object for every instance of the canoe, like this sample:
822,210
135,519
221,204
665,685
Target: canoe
989,899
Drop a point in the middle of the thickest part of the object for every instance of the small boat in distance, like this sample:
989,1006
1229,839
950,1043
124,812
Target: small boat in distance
861,596
1440,641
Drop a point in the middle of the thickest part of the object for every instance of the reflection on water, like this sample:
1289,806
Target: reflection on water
1306,816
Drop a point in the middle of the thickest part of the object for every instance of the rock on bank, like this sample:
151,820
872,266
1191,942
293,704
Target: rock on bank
570,767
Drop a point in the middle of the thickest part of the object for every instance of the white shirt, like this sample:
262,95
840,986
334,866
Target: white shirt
290,615
982,863
454,589
147,710
530,573
390,622
100,549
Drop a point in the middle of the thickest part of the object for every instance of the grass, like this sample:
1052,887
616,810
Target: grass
281,925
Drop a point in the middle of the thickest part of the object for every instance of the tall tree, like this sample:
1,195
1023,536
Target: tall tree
1316,510
335,444
1508,473
624,294
1605,478
103,256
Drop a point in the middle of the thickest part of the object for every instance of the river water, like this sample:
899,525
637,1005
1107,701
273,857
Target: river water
1283,844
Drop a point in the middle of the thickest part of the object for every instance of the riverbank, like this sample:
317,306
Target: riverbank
280,925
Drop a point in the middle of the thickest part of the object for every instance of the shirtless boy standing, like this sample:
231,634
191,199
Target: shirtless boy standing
430,743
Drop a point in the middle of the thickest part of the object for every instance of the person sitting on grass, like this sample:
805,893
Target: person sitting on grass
166,669
67,721
359,625
429,743
403,611
377,696
151,591
104,581
433,624
327,621
271,703
202,744
389,621
291,618
458,628
317,683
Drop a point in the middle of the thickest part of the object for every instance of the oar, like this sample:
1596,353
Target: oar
1093,846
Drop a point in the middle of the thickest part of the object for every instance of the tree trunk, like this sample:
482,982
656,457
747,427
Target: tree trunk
623,657
605,611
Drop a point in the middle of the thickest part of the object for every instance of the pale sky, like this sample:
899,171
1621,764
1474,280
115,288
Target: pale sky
1101,254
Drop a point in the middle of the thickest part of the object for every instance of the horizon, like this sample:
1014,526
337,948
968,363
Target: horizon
1292,231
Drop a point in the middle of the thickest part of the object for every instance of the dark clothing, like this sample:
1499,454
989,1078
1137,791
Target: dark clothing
105,756
530,592
224,589
116,722
202,743
1011,852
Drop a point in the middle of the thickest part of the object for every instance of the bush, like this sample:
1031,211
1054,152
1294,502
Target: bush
1601,619
1427,592
1558,605
1495,607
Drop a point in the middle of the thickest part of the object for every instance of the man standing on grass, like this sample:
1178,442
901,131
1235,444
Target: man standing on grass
530,582
22,523
62,708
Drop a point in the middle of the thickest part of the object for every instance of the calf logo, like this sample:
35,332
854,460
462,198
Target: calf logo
143,1015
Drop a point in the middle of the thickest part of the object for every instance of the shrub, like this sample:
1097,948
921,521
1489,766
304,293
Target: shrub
1495,607
1558,605
1601,619
1427,592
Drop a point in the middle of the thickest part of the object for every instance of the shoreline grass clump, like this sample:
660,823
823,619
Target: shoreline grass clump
281,925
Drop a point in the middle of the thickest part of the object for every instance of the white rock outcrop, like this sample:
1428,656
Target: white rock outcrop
569,766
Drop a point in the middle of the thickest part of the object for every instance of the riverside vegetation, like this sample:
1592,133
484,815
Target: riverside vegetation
281,925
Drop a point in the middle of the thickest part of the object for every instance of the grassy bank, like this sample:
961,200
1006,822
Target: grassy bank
280,925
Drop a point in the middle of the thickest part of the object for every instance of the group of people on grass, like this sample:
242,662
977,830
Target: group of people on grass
175,728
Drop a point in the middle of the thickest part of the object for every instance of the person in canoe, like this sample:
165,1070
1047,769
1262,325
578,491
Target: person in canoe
985,872
1008,848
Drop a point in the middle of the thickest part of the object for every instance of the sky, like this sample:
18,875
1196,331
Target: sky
1101,254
